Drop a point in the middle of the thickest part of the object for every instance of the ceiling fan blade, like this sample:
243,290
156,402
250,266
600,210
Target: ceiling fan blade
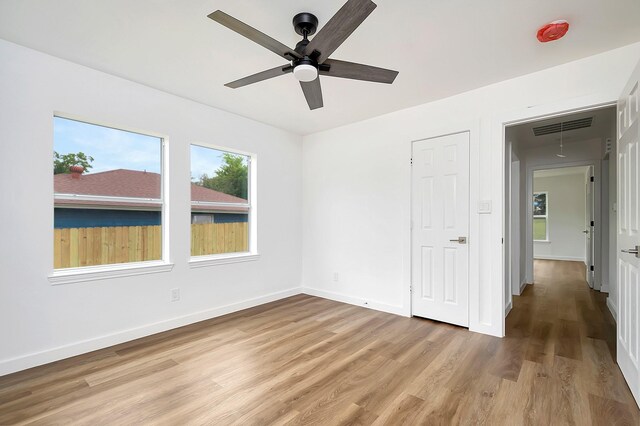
264,75
339,27
254,35
313,93
355,71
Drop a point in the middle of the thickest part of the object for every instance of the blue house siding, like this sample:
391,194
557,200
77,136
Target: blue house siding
97,218
230,217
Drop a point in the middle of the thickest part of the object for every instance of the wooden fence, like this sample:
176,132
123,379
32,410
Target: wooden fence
216,238
75,247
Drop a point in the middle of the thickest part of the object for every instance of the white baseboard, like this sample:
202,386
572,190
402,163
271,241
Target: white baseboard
378,306
612,308
522,286
24,362
552,257
508,309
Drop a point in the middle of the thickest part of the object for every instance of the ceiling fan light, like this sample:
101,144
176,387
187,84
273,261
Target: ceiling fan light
305,72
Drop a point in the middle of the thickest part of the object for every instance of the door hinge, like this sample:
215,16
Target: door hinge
592,179
593,223
592,268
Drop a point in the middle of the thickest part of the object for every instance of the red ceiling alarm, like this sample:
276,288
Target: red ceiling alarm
553,31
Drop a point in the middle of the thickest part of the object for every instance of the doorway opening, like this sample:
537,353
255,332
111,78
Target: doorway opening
563,217
560,191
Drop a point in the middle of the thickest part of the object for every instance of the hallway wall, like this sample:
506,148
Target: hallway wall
565,218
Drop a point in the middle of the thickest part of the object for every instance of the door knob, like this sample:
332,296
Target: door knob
635,251
586,231
461,240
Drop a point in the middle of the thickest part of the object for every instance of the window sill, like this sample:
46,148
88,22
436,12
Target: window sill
93,273
542,241
204,261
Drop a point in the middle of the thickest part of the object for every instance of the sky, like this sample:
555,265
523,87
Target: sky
110,148
204,161
118,149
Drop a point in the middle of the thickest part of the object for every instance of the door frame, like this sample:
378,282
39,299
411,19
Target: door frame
498,130
597,201
473,282
409,295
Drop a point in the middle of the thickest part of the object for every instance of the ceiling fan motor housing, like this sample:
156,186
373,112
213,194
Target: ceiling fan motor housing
305,24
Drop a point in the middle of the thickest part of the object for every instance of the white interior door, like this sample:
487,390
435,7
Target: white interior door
628,259
440,226
588,228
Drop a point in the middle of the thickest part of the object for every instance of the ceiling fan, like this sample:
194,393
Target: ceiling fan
311,57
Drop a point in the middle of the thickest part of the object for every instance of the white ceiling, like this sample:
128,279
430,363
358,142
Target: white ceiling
564,171
602,126
440,47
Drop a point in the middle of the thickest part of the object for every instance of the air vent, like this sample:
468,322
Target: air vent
564,126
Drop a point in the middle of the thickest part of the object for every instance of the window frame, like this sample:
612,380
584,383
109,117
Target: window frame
114,270
251,205
540,216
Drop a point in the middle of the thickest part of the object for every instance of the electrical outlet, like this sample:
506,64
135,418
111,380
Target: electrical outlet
336,277
175,294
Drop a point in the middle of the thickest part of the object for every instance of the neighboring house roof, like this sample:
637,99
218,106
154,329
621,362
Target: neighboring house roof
134,184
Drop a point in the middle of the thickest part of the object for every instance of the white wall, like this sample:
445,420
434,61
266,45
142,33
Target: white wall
41,322
566,217
356,185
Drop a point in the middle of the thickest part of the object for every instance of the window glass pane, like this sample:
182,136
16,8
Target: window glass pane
220,206
540,204
540,228
107,195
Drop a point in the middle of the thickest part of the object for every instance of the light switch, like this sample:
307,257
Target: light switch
484,207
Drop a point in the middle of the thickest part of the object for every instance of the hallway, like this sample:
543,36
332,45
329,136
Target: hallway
567,337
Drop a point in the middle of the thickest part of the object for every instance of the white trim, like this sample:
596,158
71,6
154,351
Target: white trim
604,288
252,194
508,309
101,272
371,304
553,257
476,322
498,129
523,285
597,232
85,120
105,198
203,261
224,149
220,204
612,308
12,365
73,275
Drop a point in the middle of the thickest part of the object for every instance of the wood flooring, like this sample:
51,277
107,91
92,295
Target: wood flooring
306,360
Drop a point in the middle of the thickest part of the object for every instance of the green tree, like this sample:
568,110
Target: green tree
61,163
231,178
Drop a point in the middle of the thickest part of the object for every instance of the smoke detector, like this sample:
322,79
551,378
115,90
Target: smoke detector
553,31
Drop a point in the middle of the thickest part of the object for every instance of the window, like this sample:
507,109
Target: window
540,216
107,195
221,207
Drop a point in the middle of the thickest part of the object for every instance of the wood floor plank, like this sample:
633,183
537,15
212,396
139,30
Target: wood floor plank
307,360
